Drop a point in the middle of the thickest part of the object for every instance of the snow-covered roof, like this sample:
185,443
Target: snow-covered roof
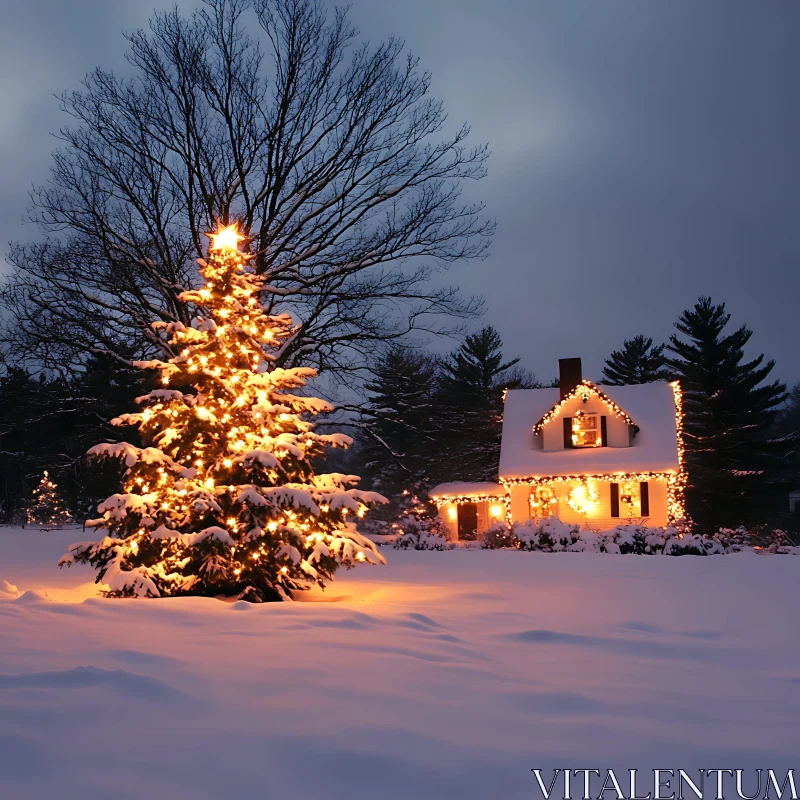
655,447
464,489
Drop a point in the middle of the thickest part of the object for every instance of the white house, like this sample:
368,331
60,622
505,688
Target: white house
587,454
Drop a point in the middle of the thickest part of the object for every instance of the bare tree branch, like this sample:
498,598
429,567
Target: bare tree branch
327,151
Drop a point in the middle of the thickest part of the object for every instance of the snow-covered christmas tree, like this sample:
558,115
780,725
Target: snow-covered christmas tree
47,507
223,498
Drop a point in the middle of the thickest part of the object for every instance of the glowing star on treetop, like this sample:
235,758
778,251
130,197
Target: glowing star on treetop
226,238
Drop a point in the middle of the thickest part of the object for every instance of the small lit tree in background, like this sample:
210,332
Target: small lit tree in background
47,507
223,499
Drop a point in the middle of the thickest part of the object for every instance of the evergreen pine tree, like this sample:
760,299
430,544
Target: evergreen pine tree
728,412
475,371
788,422
786,439
223,498
47,507
470,407
50,421
105,387
639,361
401,419
17,393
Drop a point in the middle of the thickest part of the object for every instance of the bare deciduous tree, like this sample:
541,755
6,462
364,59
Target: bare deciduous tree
326,151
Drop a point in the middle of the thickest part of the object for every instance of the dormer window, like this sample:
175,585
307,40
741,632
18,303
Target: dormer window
586,430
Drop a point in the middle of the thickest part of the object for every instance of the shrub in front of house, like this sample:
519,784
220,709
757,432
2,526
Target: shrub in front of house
735,540
548,536
499,536
552,536
422,533
420,541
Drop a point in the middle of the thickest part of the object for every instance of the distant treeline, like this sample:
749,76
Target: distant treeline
426,419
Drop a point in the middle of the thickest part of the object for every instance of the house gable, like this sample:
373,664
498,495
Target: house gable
588,397
615,429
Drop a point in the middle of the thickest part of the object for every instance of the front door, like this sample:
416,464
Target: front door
467,521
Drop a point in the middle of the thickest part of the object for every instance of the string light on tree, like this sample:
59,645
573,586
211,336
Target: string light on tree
47,507
223,498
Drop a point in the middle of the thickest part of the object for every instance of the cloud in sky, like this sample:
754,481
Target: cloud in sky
643,153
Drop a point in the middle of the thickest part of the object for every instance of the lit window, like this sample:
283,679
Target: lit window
629,493
635,498
543,502
586,430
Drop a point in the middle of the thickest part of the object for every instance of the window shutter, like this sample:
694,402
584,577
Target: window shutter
603,432
614,499
567,431
644,498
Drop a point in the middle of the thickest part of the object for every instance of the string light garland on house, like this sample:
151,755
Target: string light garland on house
223,499
457,501
611,477
676,488
585,390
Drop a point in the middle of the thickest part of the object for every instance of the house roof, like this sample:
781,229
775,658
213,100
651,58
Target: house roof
655,449
464,489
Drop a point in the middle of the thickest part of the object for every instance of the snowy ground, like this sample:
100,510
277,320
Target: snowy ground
443,675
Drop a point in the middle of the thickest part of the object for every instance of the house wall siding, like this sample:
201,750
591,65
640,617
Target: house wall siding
520,502
448,513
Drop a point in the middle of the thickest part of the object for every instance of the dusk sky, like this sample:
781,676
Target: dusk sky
643,153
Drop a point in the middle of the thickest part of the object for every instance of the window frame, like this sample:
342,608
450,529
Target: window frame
597,430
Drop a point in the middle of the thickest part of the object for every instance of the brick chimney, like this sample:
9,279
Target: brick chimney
569,375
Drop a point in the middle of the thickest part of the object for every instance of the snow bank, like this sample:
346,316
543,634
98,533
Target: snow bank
445,675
